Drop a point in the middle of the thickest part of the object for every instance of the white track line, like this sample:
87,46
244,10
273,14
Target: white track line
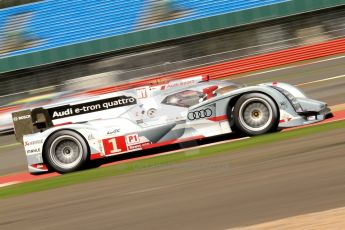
9,183
322,80
290,67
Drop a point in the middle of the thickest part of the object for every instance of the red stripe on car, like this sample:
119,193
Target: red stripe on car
219,118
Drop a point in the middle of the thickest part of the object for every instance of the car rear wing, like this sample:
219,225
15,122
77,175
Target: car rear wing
30,121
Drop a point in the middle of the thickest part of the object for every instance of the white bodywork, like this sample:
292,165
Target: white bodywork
152,116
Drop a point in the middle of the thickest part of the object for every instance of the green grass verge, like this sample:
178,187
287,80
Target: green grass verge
99,173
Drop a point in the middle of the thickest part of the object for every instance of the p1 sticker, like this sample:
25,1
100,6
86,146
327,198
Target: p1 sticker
132,139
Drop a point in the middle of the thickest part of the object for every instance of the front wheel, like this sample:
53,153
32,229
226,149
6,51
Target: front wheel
255,114
66,151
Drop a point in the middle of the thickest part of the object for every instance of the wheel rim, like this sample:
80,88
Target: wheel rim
66,152
255,114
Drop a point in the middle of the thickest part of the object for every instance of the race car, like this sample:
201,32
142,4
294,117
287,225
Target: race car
64,138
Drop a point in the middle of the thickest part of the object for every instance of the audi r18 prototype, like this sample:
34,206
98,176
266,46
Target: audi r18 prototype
64,138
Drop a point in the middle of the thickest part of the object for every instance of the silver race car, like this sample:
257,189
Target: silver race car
65,137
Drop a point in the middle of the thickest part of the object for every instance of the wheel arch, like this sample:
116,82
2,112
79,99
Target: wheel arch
234,100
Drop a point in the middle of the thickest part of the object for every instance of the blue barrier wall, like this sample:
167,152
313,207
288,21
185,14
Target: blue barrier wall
55,23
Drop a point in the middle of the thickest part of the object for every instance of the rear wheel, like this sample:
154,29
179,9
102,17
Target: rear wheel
66,151
255,114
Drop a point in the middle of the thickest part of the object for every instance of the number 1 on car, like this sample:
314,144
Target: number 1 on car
114,145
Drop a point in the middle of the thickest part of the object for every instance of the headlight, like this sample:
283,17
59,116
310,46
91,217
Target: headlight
292,99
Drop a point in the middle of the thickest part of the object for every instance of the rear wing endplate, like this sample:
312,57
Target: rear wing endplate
30,121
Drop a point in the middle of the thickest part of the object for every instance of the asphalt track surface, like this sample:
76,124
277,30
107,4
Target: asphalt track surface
237,189
220,192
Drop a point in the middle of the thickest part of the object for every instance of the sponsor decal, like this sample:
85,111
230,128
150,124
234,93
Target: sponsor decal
138,146
111,132
140,121
28,143
90,137
142,93
33,151
200,114
132,139
134,143
117,145
90,107
21,118
114,145
181,83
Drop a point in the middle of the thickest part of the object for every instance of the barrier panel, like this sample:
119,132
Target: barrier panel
243,65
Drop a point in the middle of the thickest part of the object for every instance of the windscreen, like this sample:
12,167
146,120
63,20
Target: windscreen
186,98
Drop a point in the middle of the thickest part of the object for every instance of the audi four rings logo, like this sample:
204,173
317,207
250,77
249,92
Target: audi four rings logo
204,113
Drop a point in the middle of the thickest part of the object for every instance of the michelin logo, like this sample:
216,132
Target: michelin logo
90,107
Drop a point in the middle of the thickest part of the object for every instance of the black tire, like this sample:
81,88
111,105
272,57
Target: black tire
234,130
66,151
255,114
